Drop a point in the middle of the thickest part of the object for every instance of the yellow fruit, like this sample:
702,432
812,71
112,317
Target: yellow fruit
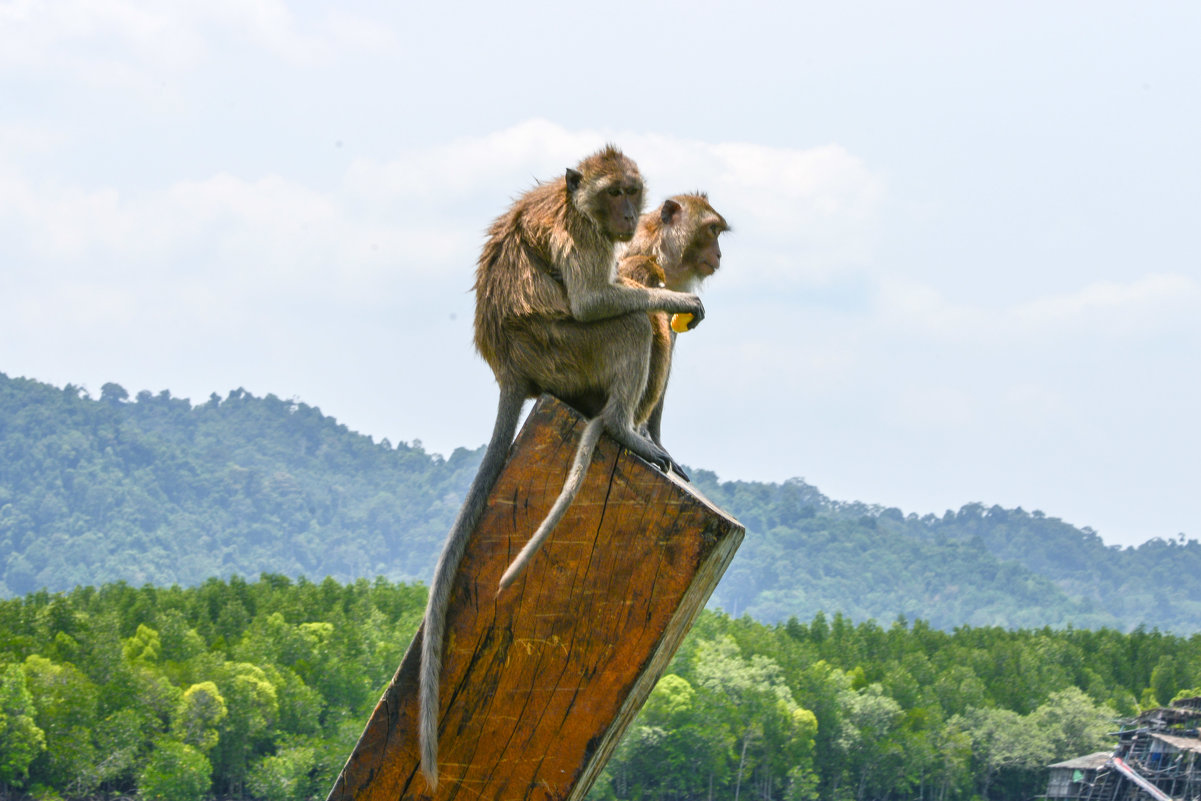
679,322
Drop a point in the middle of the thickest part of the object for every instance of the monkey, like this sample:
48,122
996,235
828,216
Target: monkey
675,246
550,316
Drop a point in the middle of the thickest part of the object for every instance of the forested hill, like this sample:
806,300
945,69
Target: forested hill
153,489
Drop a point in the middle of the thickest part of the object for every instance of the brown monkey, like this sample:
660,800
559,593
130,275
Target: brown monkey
675,247
550,316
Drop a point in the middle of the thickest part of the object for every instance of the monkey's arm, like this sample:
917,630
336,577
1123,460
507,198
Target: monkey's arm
599,300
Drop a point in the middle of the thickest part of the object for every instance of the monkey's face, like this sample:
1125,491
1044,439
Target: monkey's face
620,205
709,256
607,188
703,257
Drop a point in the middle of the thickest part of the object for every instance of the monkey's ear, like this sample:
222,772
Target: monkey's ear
573,179
669,210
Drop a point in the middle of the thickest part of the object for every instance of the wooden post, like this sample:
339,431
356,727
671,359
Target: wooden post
539,683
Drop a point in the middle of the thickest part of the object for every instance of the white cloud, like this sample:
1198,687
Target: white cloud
944,408
21,139
391,232
798,214
95,43
270,25
1146,305
135,44
1106,310
1035,404
508,161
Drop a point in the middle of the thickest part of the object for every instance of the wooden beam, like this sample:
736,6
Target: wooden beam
540,682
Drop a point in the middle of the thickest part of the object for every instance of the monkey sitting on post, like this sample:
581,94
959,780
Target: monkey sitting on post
551,316
675,247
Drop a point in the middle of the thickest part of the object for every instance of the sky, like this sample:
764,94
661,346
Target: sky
965,264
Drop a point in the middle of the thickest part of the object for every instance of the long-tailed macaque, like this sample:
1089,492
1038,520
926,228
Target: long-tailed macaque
550,316
675,247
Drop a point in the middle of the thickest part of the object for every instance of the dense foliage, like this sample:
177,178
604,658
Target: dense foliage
154,489
260,689
158,490
980,566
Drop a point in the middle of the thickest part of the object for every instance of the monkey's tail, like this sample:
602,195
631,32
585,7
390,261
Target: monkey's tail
571,488
434,628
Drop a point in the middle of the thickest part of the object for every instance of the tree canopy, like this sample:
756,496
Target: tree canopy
259,689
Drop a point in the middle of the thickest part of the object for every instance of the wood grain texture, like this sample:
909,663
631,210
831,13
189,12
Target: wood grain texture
540,682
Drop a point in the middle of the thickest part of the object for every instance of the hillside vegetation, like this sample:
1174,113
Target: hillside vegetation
153,489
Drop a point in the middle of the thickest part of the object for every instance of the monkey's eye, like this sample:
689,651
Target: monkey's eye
713,229
634,190
614,191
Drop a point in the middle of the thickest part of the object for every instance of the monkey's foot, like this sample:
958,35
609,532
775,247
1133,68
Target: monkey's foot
668,465
656,456
679,471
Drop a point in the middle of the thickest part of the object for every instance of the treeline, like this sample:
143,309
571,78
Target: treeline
152,488
259,690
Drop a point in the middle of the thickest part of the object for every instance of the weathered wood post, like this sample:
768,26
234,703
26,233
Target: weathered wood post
540,682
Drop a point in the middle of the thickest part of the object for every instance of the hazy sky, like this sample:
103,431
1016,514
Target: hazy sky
966,263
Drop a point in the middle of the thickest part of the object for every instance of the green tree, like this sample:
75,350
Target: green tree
1073,724
200,712
870,754
950,771
253,707
144,647
669,750
113,393
772,734
175,771
1004,744
285,775
20,738
1167,677
66,702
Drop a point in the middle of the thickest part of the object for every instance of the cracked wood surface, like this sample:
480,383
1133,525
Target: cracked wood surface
539,683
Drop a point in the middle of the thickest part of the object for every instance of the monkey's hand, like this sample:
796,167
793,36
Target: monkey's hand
690,317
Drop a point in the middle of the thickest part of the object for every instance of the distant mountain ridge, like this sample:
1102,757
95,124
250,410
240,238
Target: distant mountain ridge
157,490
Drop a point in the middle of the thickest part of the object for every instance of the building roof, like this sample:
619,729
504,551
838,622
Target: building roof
1085,762
1180,712
1180,743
